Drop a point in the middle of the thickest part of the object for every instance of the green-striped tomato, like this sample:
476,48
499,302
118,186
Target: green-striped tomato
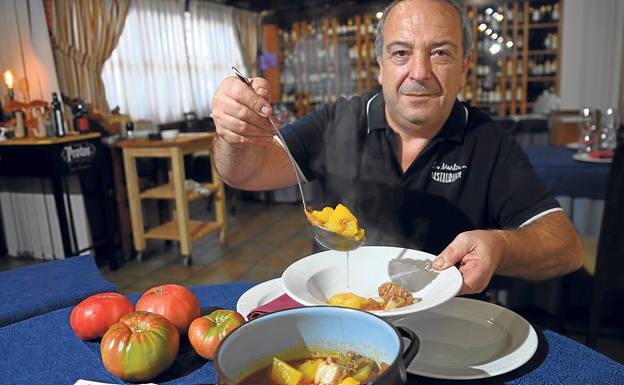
206,333
140,346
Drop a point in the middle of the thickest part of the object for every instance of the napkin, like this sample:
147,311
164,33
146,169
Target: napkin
603,154
282,302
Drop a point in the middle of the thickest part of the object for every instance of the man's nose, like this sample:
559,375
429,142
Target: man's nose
420,67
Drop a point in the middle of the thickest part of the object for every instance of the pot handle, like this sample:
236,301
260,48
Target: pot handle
412,347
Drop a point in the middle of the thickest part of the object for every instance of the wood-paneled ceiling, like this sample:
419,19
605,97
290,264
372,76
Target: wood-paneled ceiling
285,12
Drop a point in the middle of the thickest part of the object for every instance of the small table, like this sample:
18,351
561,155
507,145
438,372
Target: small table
580,187
566,176
181,228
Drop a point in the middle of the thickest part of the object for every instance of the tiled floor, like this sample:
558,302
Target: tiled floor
263,240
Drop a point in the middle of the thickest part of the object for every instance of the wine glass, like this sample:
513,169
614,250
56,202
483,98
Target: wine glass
608,132
588,126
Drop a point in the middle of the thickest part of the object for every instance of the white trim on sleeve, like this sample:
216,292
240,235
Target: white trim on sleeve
538,216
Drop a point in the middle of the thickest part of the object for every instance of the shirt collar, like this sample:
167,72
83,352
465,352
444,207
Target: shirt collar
453,129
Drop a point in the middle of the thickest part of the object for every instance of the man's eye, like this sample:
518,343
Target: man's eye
440,53
400,53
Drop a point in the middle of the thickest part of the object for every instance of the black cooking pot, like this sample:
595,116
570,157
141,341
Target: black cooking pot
290,333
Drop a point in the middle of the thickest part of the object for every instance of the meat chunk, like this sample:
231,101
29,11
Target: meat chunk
330,373
394,296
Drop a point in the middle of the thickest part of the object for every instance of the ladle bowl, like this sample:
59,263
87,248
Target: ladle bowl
320,234
330,239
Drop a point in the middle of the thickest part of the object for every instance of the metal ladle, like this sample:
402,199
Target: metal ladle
324,237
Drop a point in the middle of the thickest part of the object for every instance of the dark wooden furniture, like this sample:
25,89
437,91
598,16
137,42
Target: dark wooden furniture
56,158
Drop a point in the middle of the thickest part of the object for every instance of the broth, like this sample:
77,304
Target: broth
337,366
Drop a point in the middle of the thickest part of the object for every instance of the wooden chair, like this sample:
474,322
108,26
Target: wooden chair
564,127
610,254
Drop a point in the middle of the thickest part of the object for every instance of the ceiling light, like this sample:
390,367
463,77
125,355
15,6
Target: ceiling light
378,15
489,11
488,31
482,27
500,39
509,44
494,36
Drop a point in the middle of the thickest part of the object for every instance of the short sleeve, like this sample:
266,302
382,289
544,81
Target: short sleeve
516,193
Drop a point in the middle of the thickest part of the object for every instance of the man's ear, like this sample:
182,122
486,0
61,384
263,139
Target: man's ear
379,76
465,66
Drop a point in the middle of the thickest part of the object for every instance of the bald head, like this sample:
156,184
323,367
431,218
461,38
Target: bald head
463,18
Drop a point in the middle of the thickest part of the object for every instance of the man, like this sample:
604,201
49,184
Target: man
416,166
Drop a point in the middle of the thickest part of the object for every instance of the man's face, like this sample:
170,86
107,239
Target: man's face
422,69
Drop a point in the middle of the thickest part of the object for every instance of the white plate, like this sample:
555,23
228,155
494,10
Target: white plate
573,145
584,157
259,295
467,339
312,280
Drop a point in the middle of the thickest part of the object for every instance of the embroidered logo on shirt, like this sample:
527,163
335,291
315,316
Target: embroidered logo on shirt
447,173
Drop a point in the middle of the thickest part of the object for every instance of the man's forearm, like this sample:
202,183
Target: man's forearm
547,248
235,164
253,167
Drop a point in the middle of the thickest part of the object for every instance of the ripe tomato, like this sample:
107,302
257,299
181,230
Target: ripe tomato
207,332
92,317
140,346
177,303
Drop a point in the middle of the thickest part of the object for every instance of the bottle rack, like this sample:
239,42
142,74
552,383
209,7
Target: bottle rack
325,59
507,83
322,60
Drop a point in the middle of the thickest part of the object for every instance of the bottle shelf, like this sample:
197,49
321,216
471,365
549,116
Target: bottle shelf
542,52
544,25
547,78
522,23
534,28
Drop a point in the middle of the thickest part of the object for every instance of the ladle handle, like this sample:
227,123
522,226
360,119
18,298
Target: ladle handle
279,135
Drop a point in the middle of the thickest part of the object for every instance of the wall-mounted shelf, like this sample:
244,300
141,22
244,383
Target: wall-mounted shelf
515,76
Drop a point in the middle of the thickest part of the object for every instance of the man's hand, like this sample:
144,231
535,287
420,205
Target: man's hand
479,253
245,153
240,113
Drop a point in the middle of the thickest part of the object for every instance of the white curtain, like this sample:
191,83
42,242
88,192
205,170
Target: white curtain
213,49
151,75
592,60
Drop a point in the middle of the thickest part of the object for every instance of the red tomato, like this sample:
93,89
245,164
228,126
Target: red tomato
92,317
177,303
140,346
206,333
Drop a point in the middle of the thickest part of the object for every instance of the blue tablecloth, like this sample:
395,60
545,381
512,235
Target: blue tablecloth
566,176
41,288
44,350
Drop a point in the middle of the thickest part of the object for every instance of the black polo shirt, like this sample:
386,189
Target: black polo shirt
472,175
